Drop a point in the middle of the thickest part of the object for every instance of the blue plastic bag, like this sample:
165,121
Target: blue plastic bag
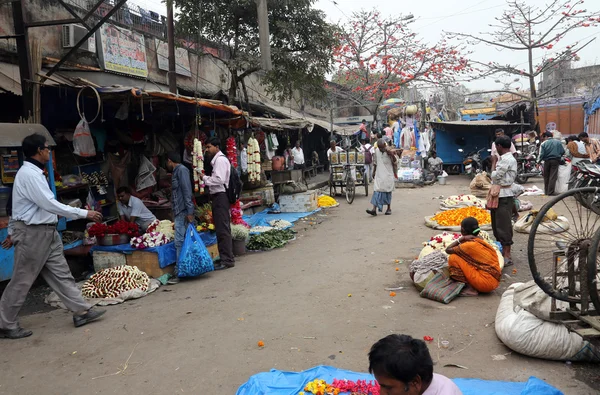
194,259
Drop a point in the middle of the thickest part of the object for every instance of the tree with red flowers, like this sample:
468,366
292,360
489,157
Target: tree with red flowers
535,31
377,56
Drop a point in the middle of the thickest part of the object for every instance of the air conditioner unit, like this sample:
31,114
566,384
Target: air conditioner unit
72,33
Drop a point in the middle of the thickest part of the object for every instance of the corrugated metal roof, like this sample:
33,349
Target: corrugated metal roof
481,123
12,134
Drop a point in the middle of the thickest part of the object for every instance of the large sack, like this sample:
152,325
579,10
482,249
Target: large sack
529,335
480,184
558,225
562,182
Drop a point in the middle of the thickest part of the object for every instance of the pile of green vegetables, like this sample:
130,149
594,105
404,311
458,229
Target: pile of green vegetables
268,240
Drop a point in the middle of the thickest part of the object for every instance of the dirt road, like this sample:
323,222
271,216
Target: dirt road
201,336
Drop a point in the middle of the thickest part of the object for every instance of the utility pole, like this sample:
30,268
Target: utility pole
263,33
171,75
24,55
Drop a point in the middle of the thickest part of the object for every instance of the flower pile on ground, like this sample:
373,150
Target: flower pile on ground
130,229
320,387
149,240
327,201
165,227
280,224
441,241
236,214
455,217
470,200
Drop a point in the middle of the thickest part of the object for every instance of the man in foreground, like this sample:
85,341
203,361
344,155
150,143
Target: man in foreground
132,209
504,172
403,366
551,152
38,245
217,183
383,173
183,206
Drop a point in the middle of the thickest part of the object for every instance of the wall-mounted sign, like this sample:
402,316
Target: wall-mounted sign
358,119
122,51
182,59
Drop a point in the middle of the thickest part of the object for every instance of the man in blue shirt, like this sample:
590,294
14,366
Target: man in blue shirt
181,198
551,152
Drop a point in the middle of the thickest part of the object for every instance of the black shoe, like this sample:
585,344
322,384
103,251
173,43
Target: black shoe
372,212
220,266
91,315
18,333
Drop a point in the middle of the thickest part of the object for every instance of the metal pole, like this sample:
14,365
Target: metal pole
331,123
172,76
24,55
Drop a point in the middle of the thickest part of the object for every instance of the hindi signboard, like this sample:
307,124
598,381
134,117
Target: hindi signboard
122,51
182,59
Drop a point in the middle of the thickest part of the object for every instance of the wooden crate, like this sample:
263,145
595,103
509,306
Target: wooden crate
148,263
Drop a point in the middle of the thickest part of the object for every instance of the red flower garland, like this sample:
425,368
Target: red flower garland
120,227
358,387
236,214
232,152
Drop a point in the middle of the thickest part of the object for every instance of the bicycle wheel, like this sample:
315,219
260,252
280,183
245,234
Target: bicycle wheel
593,275
350,190
552,241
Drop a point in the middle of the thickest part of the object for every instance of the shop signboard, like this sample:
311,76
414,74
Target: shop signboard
182,59
122,51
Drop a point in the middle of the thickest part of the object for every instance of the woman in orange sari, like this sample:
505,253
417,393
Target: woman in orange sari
472,260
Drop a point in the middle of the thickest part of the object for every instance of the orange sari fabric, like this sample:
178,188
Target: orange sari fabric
475,263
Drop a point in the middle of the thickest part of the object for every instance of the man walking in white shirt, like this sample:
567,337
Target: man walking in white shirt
298,155
38,245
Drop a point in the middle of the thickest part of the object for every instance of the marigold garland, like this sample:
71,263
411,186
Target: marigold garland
455,217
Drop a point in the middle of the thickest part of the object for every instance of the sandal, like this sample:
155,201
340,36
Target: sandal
372,212
508,262
388,212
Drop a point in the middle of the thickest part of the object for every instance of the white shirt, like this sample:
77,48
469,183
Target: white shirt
505,174
298,155
495,151
442,385
136,208
329,151
33,200
219,179
367,147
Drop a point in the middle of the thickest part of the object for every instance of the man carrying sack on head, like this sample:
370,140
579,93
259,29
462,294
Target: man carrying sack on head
501,196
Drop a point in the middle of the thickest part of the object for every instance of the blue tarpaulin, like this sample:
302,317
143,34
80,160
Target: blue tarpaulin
277,382
167,254
264,217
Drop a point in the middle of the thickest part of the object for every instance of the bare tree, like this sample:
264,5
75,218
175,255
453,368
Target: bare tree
534,31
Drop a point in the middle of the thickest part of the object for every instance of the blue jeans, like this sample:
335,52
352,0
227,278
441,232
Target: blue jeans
180,228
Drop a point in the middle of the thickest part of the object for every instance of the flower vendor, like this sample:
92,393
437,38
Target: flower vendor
132,209
472,260
217,183
403,365
183,206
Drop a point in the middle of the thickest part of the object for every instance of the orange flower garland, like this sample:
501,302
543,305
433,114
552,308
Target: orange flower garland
454,217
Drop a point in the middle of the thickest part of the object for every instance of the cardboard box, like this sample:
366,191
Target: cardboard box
299,202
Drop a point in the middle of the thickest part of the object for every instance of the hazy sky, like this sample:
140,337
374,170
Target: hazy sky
433,17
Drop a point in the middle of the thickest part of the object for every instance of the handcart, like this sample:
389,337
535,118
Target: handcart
347,171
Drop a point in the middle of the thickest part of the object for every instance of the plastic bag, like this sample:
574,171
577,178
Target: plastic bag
194,259
83,143
145,177
562,182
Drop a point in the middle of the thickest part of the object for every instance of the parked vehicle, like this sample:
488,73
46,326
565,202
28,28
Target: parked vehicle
472,162
527,167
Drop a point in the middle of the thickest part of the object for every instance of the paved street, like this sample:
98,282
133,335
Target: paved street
201,336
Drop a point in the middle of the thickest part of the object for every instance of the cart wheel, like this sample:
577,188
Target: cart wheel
331,189
366,181
574,244
350,190
593,276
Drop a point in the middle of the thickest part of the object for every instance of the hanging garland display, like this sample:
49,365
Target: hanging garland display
198,162
232,153
253,160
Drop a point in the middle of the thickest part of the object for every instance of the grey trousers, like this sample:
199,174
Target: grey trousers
38,250
222,220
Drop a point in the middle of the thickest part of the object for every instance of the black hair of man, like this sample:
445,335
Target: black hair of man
402,358
470,226
583,135
499,130
126,190
215,142
32,143
572,138
503,142
548,135
174,156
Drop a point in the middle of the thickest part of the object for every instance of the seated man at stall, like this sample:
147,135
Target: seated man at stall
435,164
133,209
472,260
403,365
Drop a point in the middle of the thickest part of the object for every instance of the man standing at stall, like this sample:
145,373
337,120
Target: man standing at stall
383,173
500,133
298,156
182,204
217,183
132,209
504,173
551,152
38,245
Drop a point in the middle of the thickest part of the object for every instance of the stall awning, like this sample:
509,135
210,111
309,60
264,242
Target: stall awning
12,134
476,125
206,103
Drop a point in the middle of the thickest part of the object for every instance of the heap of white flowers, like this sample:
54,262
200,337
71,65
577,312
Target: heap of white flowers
149,240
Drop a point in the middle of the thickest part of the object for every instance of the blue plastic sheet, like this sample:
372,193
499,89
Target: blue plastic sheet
167,254
277,382
264,217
